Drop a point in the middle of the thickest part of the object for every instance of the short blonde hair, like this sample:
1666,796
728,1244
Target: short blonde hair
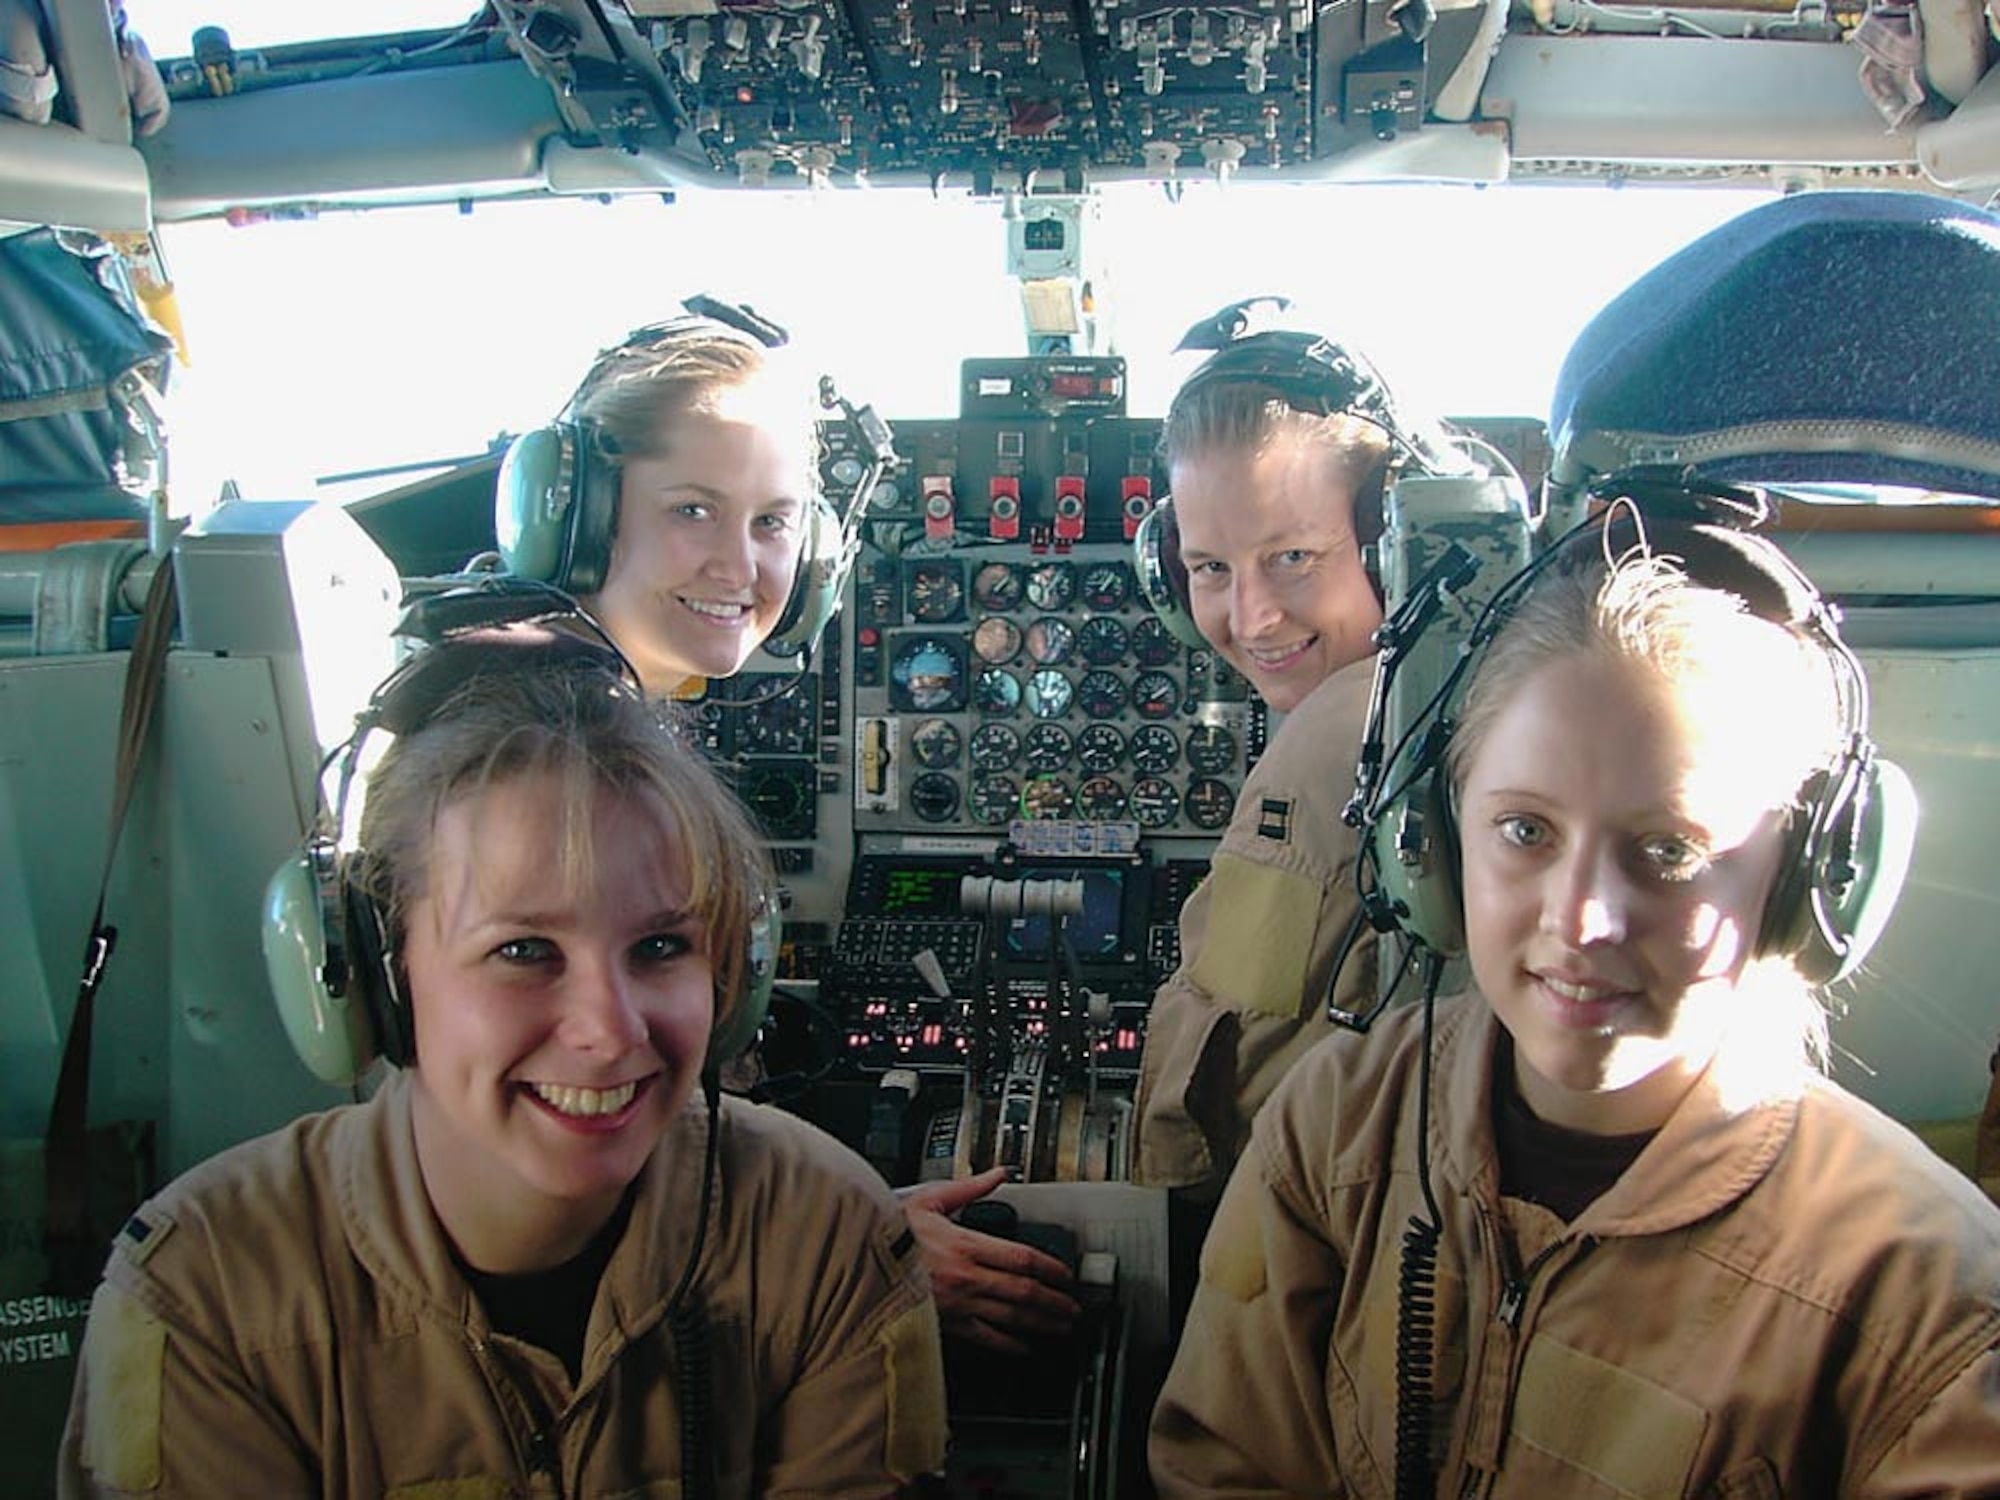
588,732
1244,415
634,391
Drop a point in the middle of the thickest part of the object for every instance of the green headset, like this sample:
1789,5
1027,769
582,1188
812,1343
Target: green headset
327,949
1311,374
1849,843
555,512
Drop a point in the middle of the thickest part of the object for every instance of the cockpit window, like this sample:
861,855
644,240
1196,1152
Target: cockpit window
169,25
407,335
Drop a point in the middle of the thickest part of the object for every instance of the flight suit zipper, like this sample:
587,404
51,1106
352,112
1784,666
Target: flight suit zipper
537,1455
1489,1403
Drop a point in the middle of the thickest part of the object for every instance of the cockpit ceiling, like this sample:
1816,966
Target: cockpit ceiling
579,96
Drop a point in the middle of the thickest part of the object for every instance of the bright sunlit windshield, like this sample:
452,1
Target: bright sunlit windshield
366,341
169,25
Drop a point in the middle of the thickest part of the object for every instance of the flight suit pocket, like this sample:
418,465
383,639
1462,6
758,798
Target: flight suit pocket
1262,924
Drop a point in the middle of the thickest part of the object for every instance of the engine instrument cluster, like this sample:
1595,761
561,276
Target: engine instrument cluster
1007,671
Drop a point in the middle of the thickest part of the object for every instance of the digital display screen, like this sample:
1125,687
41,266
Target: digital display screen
918,892
1093,932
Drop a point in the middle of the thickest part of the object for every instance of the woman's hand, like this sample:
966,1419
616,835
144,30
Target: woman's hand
996,1293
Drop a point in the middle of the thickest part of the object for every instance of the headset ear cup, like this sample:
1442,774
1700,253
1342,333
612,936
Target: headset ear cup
593,530
376,981
327,1018
1844,872
1416,851
739,1020
1162,577
532,510
816,583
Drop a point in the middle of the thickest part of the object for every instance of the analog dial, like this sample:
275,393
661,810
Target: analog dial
927,675
1102,641
996,691
1155,803
996,639
1047,747
995,799
1051,641
1153,645
1100,799
1154,749
1049,694
1051,585
1155,695
1101,694
1209,803
995,747
937,592
1045,797
997,586
1106,586
1099,747
935,743
934,797
1210,749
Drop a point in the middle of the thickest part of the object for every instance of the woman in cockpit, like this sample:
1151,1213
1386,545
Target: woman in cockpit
678,498
1598,1227
546,1255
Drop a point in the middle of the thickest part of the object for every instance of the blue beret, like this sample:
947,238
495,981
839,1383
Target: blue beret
1830,337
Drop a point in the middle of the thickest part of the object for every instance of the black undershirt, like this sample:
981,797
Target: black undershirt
551,1309
1564,1171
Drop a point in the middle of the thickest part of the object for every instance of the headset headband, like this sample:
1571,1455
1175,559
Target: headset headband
1313,374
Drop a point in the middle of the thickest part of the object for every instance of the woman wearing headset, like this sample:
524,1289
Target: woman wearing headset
684,474
1650,1250
539,1256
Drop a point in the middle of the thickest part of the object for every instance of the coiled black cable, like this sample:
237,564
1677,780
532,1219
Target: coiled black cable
689,1325
1416,1288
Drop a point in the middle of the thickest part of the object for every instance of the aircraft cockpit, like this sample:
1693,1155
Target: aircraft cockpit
303,266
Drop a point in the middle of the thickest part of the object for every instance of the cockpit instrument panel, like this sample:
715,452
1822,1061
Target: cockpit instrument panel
1006,675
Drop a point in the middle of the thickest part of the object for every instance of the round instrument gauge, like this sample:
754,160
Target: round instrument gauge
1045,797
995,799
934,796
1153,645
1155,803
1047,747
1209,803
935,743
996,691
937,592
995,747
1051,585
997,586
1101,694
1050,641
886,495
1099,747
1154,749
846,472
1102,641
1210,748
1155,695
1049,694
996,639
927,675
1106,586
1101,800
